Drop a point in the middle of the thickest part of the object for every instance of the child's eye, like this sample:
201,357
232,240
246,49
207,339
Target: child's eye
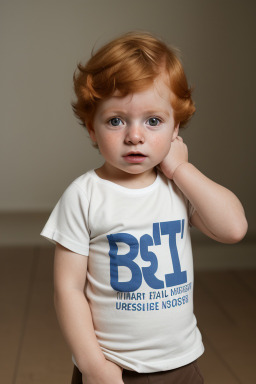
115,122
153,121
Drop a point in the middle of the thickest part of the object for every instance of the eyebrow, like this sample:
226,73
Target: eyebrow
156,111
147,112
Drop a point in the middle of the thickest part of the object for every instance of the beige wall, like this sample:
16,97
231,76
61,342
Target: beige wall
43,148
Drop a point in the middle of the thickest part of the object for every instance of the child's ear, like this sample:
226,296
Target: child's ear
91,132
175,131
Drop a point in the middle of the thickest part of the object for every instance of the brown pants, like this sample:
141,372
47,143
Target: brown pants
189,374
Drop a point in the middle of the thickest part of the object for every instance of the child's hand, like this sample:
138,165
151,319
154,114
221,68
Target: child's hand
109,373
177,155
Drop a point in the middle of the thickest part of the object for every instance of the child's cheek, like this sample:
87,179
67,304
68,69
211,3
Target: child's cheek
162,145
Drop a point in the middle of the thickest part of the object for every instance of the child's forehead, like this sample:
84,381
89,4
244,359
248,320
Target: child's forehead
157,95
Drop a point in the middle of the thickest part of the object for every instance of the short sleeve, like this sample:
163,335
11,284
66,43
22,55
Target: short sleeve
68,222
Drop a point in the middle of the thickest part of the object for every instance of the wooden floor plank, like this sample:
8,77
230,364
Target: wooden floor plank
227,316
45,357
247,277
233,298
213,368
16,266
212,322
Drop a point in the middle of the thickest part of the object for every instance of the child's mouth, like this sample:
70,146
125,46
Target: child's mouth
134,157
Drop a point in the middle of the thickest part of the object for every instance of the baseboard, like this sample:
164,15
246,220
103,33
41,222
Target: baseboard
22,228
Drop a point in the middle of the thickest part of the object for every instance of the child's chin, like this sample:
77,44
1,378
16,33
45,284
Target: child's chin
139,171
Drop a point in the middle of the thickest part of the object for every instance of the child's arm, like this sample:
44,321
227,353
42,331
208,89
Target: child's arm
75,319
219,214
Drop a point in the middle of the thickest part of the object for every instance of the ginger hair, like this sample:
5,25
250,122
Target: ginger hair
130,64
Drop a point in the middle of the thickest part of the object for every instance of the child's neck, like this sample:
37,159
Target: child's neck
125,179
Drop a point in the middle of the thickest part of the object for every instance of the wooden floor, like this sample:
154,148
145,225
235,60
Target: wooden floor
33,351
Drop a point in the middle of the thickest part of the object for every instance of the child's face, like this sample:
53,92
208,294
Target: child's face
134,133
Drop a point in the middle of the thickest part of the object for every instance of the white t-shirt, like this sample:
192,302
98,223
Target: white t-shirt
140,268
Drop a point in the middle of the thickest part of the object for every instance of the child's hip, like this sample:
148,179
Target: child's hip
187,374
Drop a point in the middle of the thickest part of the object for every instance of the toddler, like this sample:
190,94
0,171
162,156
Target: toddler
123,269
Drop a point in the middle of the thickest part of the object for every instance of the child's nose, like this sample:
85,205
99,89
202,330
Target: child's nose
134,135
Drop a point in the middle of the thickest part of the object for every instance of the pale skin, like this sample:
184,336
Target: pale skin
219,214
